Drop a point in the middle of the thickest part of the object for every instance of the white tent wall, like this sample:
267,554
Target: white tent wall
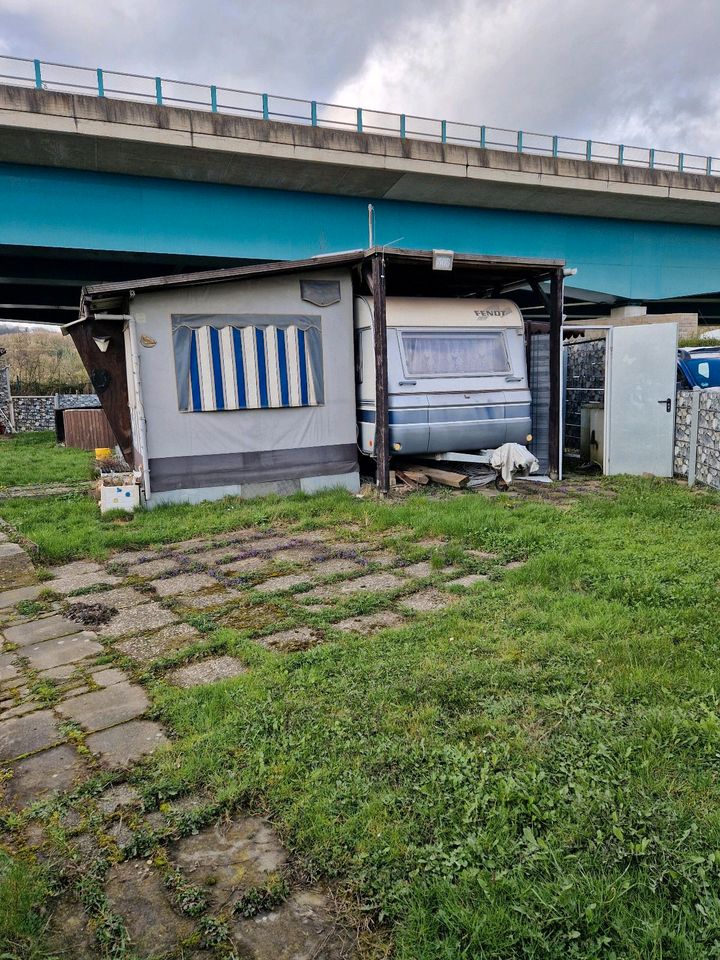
205,455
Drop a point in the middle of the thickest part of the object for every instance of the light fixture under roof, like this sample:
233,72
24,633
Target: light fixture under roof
443,259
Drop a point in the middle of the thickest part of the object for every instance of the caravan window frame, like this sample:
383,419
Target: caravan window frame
453,331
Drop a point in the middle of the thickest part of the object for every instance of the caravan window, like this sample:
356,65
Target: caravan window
247,361
435,353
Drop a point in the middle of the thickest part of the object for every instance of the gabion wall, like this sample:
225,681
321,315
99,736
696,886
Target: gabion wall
5,394
584,383
34,413
707,459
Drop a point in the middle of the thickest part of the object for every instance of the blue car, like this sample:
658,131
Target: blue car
698,367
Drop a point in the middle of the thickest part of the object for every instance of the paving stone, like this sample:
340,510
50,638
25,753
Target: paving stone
482,554
121,795
206,671
370,583
7,670
213,558
229,858
430,542
21,735
425,601
134,620
245,565
137,893
335,565
43,775
54,653
122,745
153,568
66,671
290,641
468,581
16,567
120,597
370,622
422,569
159,644
127,557
106,708
69,933
191,546
514,564
302,928
294,555
120,833
19,710
8,598
201,601
384,559
78,568
276,584
46,628
182,584
109,676
67,585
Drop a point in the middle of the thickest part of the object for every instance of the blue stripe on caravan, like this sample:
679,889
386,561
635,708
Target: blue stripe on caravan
262,367
282,365
239,368
194,373
217,369
302,358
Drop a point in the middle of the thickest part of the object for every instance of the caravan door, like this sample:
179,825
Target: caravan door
640,374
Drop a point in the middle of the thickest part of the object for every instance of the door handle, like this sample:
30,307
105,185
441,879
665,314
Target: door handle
513,379
668,404
407,383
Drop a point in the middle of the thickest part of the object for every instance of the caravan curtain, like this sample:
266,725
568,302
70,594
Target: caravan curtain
247,361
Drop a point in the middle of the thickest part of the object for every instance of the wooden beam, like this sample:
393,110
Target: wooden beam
382,430
556,319
108,373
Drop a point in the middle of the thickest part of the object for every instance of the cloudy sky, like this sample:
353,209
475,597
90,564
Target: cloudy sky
634,71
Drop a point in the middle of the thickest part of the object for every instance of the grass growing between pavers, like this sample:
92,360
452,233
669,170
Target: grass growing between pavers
531,773
23,889
34,458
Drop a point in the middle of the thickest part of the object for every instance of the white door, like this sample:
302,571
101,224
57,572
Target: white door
640,399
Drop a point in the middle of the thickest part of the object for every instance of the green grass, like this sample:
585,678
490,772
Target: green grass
534,773
23,888
29,458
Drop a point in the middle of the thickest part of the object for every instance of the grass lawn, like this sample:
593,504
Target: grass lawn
531,773
30,458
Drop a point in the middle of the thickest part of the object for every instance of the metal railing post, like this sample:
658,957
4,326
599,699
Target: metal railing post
359,120
265,107
100,82
708,167
313,113
621,154
402,126
482,137
681,162
38,74
213,98
158,91
555,146
519,141
651,158
443,131
588,149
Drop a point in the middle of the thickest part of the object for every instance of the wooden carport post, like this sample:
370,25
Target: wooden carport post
382,431
557,280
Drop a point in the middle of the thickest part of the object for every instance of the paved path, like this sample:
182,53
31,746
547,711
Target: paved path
70,715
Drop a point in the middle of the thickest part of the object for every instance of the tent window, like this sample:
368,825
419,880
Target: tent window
247,366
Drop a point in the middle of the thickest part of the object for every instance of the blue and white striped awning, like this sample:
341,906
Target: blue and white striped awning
250,361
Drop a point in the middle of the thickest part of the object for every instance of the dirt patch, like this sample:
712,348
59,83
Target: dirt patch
425,601
91,614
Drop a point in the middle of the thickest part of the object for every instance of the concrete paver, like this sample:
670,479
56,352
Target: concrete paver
67,585
277,584
104,708
7,670
182,584
21,735
370,622
206,671
8,598
137,893
33,631
122,745
468,581
134,620
426,601
43,774
158,644
119,597
62,650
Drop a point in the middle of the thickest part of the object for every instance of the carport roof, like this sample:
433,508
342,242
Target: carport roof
408,273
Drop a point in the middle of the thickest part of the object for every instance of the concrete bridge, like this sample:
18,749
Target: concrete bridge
94,188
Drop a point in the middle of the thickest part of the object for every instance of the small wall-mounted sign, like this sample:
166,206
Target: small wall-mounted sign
147,341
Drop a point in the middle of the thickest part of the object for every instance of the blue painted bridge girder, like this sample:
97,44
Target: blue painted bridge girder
59,208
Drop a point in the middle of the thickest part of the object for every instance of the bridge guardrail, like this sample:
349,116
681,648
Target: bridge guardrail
98,82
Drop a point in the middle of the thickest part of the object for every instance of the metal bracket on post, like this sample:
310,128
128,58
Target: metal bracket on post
693,441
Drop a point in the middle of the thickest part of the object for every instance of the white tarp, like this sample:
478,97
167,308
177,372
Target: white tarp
512,458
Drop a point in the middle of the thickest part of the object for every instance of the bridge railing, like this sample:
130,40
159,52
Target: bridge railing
227,100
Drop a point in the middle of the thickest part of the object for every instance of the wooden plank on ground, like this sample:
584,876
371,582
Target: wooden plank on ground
447,478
